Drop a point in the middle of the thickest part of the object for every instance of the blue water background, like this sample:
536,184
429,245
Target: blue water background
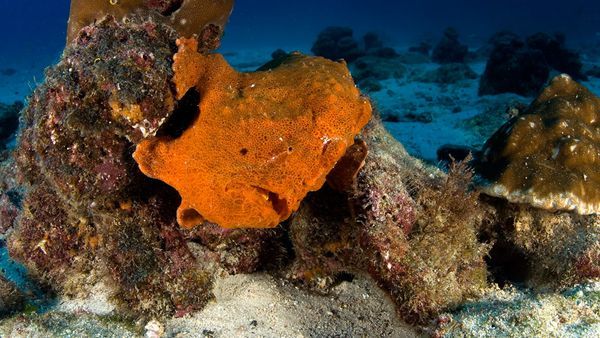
34,30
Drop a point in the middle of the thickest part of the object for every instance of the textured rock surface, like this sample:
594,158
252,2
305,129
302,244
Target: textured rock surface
337,43
11,299
513,68
559,249
522,314
87,211
411,227
449,49
205,18
549,155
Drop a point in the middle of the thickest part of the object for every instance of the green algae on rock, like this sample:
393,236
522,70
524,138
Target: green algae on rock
549,155
417,231
413,228
87,211
11,298
543,249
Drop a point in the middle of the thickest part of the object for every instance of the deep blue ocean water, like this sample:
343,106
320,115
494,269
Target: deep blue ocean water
32,36
32,32
37,27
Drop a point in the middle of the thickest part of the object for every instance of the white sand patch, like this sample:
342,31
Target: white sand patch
259,305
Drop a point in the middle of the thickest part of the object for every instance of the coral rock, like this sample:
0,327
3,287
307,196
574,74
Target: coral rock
11,298
188,17
86,210
449,49
557,55
378,68
262,140
422,48
562,248
549,156
513,68
337,43
418,229
516,66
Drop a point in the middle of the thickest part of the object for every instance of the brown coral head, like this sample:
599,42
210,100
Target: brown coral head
548,156
187,17
262,140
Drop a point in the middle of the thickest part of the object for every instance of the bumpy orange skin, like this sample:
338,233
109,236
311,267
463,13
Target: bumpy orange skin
262,140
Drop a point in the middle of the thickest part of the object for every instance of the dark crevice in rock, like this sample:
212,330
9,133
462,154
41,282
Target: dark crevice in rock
186,112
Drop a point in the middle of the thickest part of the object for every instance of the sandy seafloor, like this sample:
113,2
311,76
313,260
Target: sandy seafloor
263,306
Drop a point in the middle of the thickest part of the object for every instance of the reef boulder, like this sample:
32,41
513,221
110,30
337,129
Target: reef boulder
523,67
557,55
548,156
87,210
205,19
513,68
337,43
449,49
448,74
544,162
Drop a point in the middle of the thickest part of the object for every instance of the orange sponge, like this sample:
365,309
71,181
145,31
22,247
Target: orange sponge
262,140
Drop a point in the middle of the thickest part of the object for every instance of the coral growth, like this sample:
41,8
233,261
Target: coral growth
10,197
323,237
513,68
337,43
523,67
419,229
87,210
236,250
548,155
557,55
11,299
413,228
449,49
262,141
550,249
545,160
205,19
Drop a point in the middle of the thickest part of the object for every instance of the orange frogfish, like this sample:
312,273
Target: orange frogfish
261,140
